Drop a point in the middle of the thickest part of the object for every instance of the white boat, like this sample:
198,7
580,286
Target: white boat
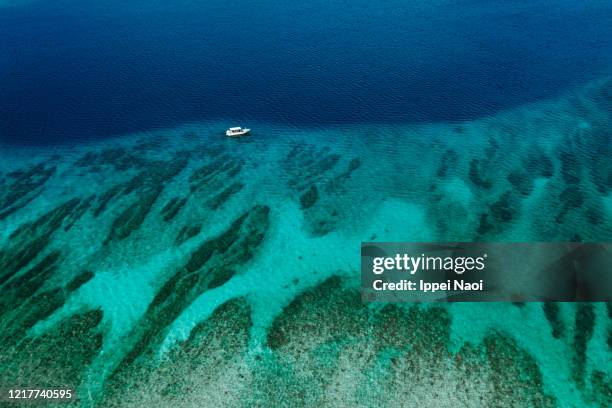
236,131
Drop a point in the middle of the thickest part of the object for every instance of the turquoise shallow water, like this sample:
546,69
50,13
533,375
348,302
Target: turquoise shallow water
182,267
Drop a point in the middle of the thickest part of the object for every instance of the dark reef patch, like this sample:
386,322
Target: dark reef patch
211,264
602,389
353,165
475,175
48,222
31,239
584,327
133,216
594,215
339,314
551,311
493,145
571,198
79,280
570,167
187,232
78,212
120,158
18,289
20,187
230,321
521,181
147,186
426,331
448,161
538,164
503,210
222,197
60,356
293,321
598,142
309,198
214,348
105,199
516,374
326,336
244,235
172,208
216,174
29,298
484,226
307,164
318,176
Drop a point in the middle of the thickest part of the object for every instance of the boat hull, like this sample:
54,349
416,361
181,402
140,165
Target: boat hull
237,134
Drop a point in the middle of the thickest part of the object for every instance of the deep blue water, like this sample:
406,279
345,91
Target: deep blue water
71,69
